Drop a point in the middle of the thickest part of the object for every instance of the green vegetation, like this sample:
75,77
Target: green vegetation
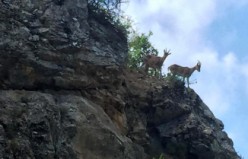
139,47
112,6
173,80
108,10
162,156
139,44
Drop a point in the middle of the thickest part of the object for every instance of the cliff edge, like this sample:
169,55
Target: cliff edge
65,93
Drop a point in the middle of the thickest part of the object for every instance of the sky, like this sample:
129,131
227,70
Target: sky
214,32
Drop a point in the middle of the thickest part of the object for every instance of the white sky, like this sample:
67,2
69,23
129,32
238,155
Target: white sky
212,31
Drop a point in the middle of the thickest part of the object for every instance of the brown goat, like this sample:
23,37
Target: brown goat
155,62
184,72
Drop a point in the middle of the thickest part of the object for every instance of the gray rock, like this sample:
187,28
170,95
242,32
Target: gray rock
59,126
64,28
65,93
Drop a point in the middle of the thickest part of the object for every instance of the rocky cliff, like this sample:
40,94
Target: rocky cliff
65,93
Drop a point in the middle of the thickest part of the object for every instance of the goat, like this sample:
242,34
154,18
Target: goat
184,72
155,62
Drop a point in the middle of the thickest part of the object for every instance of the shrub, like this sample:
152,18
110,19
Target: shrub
108,10
173,81
162,156
139,47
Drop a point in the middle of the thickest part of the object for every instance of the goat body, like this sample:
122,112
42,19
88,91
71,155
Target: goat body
155,62
184,72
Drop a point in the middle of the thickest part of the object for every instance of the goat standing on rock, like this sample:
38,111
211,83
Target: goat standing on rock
184,72
155,62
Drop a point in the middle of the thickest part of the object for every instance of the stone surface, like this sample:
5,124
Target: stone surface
48,125
50,43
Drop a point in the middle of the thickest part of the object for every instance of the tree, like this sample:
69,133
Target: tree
139,47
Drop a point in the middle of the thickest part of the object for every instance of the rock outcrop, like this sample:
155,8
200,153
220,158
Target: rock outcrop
65,93
55,44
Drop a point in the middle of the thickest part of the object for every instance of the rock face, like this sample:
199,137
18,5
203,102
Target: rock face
51,43
66,94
